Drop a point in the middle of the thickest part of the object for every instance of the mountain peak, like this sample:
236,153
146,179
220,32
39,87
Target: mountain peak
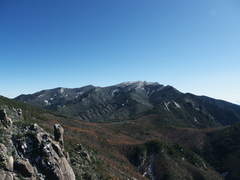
137,84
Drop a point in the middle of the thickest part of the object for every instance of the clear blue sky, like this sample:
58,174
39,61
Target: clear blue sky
189,44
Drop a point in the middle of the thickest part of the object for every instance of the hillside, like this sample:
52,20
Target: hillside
143,148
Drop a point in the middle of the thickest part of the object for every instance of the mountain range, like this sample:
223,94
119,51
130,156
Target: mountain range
130,100
132,130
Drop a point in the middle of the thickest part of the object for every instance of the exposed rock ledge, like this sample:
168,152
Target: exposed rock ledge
36,154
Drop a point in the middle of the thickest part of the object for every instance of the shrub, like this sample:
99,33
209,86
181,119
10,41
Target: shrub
155,146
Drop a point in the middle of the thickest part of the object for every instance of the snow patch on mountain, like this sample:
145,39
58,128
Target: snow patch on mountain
114,92
61,91
150,169
40,95
166,105
177,105
195,119
140,85
47,103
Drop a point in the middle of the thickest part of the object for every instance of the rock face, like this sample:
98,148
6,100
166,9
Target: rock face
7,122
24,167
40,151
31,153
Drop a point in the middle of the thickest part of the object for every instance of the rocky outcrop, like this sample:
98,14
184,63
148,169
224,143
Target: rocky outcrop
24,167
82,153
7,122
6,175
85,155
19,112
45,154
58,133
29,152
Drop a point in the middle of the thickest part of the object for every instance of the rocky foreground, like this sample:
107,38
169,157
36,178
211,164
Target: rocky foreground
31,153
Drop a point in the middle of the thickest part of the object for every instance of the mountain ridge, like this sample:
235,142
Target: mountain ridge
133,99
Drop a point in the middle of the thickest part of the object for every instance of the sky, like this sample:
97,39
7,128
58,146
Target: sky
191,45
